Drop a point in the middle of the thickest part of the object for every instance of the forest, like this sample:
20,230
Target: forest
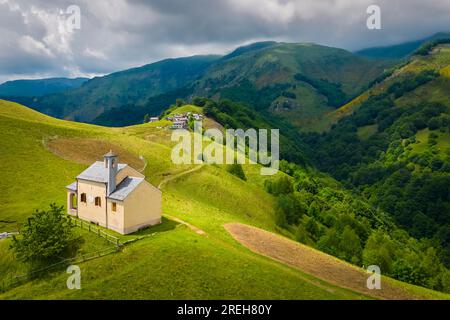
391,168
323,214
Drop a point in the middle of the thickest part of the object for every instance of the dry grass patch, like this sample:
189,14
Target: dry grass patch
314,262
86,151
209,123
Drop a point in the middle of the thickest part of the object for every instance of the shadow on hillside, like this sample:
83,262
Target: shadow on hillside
165,225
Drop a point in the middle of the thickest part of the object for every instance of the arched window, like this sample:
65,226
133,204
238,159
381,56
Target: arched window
73,201
83,197
98,201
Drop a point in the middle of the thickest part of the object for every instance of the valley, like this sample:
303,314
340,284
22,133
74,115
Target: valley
363,177
176,263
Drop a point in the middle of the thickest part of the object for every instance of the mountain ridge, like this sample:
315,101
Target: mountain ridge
39,87
136,87
401,50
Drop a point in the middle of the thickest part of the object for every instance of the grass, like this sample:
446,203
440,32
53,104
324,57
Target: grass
422,137
87,151
365,132
187,108
171,261
180,265
85,242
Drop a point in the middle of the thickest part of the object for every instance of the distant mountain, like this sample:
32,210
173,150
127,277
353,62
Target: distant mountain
130,87
297,81
249,48
39,87
400,50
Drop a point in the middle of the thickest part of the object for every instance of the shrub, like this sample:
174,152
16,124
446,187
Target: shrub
282,185
290,206
236,170
404,271
350,246
434,123
379,250
44,238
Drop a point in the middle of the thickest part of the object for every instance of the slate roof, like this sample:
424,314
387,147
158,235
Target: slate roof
73,186
125,188
97,172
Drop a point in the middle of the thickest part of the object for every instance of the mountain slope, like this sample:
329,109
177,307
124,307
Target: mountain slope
249,48
129,87
313,261
176,262
39,87
394,148
299,82
399,51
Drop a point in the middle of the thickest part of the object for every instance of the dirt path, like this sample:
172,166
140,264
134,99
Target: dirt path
312,261
190,226
164,181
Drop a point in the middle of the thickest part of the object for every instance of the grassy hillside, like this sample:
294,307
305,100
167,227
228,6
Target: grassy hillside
175,263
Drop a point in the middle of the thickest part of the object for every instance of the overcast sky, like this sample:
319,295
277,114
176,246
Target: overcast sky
118,34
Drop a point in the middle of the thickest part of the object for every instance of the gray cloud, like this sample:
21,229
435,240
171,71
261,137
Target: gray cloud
118,34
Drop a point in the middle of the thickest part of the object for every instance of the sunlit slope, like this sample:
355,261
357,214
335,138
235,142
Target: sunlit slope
437,90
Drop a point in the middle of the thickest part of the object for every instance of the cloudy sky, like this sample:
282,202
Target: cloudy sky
117,34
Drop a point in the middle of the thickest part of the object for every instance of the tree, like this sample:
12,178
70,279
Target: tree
282,185
379,250
44,238
313,228
350,246
146,118
301,235
198,101
329,242
431,265
434,123
405,271
179,102
291,207
445,280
